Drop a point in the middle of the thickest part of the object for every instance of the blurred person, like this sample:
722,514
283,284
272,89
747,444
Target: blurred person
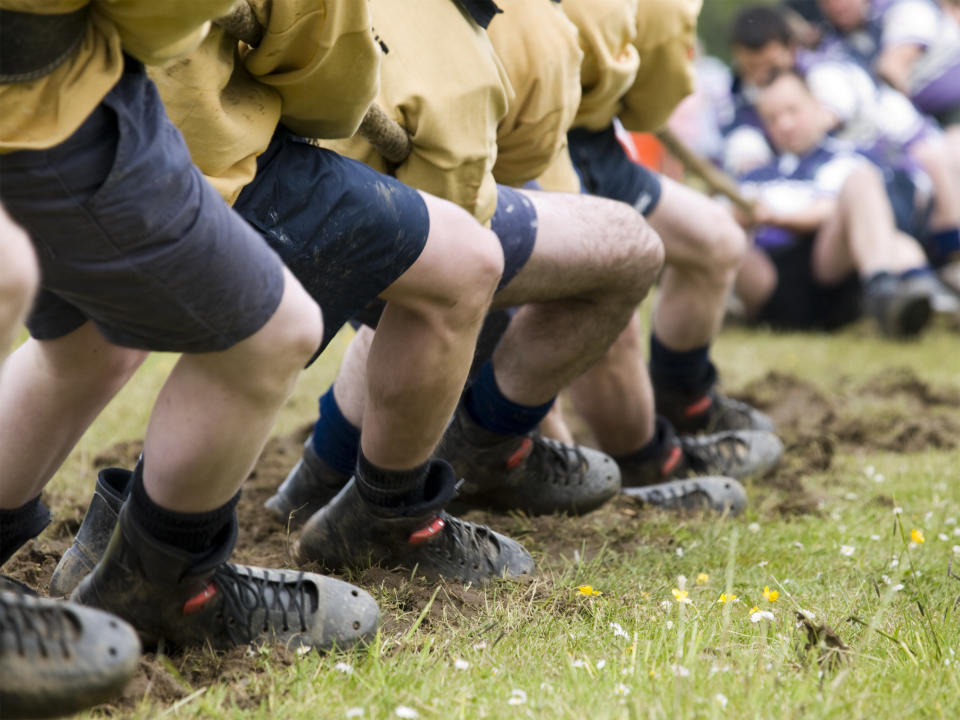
877,119
824,234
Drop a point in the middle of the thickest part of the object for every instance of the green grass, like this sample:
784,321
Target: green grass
560,651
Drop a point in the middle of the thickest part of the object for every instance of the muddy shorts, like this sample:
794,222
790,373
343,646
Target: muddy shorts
130,236
607,171
346,231
515,225
799,302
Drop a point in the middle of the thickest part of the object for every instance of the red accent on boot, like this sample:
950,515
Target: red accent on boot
424,534
699,407
521,453
196,603
673,458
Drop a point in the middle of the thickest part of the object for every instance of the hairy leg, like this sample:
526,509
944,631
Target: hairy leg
422,349
593,262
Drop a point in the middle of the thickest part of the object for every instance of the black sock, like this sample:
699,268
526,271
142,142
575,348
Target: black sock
390,488
662,438
192,532
21,524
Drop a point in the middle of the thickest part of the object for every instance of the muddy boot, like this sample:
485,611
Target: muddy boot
724,495
309,486
709,411
58,658
901,307
349,532
190,599
113,485
736,454
530,473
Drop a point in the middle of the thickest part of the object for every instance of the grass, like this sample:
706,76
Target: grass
543,649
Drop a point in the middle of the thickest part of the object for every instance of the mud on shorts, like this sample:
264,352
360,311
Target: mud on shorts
607,171
515,224
130,236
799,302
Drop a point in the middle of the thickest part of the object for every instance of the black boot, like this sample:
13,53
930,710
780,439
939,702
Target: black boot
113,486
536,475
190,599
349,532
58,658
309,486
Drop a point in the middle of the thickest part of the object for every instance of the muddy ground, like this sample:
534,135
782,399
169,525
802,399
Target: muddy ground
891,411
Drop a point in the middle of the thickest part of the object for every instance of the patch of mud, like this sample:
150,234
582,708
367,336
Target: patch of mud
892,411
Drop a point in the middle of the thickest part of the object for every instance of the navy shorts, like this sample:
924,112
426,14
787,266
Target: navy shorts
346,231
130,236
514,223
607,171
799,302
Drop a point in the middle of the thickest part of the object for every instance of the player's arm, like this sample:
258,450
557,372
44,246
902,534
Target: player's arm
803,220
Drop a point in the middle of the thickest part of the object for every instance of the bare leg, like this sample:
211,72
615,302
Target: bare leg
615,396
756,280
18,280
214,413
944,172
58,388
704,247
862,236
593,263
421,353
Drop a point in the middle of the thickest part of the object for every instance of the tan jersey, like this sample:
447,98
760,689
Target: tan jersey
442,81
666,40
316,70
638,59
537,45
45,112
610,59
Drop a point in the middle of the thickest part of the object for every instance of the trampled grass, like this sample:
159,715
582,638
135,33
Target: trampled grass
850,558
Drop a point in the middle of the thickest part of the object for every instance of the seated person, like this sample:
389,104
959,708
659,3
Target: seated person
877,119
911,44
823,230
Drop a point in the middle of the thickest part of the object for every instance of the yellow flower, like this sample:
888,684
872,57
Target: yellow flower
703,579
754,609
770,595
724,598
917,536
588,590
681,595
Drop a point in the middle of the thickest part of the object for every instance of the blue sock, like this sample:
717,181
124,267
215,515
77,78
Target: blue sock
687,370
916,272
335,439
491,410
941,245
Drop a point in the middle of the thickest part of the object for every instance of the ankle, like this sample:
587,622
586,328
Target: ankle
190,532
494,412
335,440
390,488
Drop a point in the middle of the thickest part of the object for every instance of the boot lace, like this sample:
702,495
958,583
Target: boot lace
558,463
245,594
466,542
721,455
47,624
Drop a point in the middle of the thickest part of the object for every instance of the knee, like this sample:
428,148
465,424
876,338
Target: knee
726,243
19,274
294,332
640,252
474,273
